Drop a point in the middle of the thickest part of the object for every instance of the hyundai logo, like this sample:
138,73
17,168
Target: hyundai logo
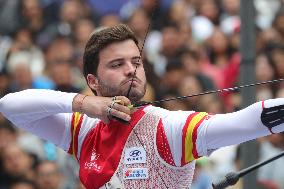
134,153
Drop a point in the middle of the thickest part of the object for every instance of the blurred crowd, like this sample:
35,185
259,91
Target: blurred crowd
189,46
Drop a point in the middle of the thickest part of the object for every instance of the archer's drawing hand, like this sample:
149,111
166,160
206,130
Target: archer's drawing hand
104,108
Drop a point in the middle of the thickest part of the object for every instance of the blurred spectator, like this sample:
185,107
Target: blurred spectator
277,22
51,9
223,161
230,8
266,10
202,28
8,134
174,105
109,20
211,104
17,163
80,186
229,18
201,179
70,13
5,45
170,48
33,19
180,13
209,9
48,176
9,17
61,74
277,57
271,175
46,151
22,184
190,85
24,50
264,72
22,78
154,9
60,49
139,22
280,93
267,39
4,84
172,78
191,64
219,50
82,32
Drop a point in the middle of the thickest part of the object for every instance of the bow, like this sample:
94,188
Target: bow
230,89
139,104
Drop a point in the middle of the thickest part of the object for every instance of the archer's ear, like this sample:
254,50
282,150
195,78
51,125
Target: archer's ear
92,82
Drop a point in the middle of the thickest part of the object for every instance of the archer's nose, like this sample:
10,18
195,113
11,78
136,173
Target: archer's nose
129,69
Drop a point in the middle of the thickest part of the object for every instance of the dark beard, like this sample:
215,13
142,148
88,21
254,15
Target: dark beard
110,91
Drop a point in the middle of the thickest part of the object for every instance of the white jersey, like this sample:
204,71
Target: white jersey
187,135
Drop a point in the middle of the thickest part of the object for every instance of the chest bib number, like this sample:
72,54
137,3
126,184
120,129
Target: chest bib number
135,173
134,155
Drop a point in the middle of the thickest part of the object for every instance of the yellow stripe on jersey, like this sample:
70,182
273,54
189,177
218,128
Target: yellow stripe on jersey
188,138
77,117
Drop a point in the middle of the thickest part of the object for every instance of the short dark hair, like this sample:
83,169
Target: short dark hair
101,39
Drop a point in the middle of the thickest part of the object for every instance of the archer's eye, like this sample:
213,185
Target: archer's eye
137,62
116,64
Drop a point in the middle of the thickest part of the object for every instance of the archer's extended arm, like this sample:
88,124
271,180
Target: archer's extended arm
257,120
190,135
41,112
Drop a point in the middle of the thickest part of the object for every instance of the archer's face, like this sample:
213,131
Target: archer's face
116,69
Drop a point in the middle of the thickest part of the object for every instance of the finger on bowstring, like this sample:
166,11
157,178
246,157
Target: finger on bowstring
123,100
121,108
120,115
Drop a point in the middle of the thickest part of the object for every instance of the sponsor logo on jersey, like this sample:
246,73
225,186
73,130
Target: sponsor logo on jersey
134,155
92,164
135,173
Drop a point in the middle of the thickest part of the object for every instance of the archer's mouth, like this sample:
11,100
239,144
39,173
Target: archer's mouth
133,81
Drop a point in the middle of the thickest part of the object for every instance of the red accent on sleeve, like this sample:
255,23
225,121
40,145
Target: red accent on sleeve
262,104
76,137
163,146
270,129
75,130
70,150
184,135
194,138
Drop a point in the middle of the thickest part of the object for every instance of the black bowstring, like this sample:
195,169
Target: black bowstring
131,84
140,104
130,87
141,54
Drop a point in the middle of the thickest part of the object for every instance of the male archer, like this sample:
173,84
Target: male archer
154,147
